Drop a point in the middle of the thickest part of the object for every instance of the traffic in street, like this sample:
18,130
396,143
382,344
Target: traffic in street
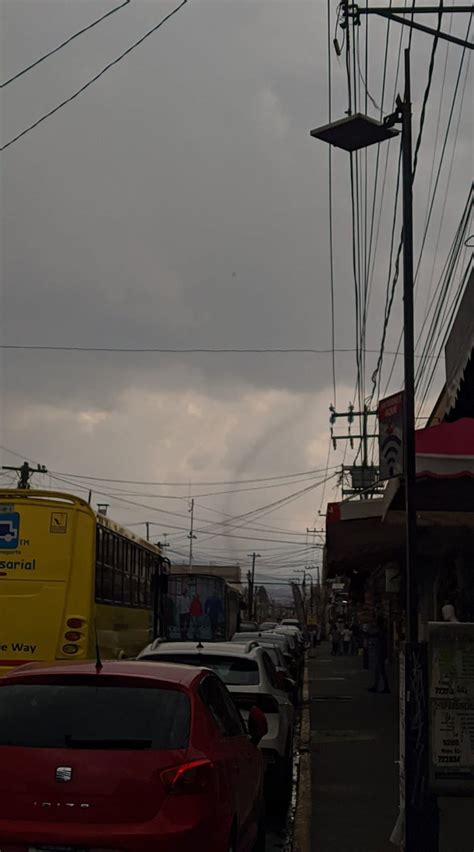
182,742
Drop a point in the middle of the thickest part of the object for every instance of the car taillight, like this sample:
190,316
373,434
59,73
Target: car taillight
189,777
75,623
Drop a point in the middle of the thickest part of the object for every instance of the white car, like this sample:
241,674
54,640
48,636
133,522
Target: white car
252,679
290,630
268,625
291,622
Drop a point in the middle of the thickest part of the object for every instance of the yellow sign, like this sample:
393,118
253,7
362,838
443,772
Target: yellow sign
58,522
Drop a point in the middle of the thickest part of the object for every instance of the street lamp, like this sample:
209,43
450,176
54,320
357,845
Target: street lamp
352,133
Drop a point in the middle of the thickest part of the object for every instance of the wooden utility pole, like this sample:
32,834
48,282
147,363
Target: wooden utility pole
191,535
25,473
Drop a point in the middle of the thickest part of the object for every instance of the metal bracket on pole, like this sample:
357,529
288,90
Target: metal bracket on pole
395,13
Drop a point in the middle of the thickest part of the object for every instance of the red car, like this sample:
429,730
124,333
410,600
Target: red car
130,757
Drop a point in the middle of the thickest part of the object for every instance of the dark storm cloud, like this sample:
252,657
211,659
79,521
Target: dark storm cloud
181,202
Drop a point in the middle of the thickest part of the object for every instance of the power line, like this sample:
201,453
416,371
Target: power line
426,95
270,507
127,493
64,44
431,203
182,484
183,351
95,78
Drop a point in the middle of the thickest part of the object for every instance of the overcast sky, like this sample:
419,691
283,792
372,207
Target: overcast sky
180,202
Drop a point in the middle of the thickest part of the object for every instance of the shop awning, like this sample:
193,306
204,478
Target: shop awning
446,450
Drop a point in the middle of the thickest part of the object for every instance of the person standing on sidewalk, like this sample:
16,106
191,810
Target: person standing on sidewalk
380,655
335,640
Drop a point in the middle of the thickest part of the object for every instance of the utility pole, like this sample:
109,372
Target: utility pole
251,575
147,526
164,543
191,535
364,477
418,806
25,472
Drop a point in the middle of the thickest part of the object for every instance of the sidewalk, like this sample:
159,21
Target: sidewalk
354,746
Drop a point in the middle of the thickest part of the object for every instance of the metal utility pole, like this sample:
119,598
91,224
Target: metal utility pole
164,543
251,576
418,807
409,359
25,472
250,594
364,436
147,526
364,477
191,535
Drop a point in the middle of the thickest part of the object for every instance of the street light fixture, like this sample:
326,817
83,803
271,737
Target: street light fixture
354,132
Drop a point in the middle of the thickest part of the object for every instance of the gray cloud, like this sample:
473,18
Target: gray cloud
181,202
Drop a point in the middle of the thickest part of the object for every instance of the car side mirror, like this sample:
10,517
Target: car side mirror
257,725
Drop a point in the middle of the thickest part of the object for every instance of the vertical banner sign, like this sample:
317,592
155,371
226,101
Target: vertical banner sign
451,656
390,416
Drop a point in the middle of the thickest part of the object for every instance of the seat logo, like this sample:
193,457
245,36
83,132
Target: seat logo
63,773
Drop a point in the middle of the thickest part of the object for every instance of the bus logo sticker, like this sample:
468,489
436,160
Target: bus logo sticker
9,530
58,522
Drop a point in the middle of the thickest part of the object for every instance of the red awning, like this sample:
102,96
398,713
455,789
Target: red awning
446,449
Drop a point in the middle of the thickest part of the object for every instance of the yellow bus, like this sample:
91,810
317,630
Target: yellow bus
69,575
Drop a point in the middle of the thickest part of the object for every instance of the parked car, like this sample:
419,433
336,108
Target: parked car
276,655
290,622
251,677
268,625
245,626
295,632
131,757
291,656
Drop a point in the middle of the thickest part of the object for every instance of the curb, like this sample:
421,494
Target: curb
302,822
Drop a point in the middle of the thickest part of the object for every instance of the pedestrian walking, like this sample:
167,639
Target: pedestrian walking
346,638
335,640
380,656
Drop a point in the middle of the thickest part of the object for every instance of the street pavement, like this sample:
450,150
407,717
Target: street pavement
354,754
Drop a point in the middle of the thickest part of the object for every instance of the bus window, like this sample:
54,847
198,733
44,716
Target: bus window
134,576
